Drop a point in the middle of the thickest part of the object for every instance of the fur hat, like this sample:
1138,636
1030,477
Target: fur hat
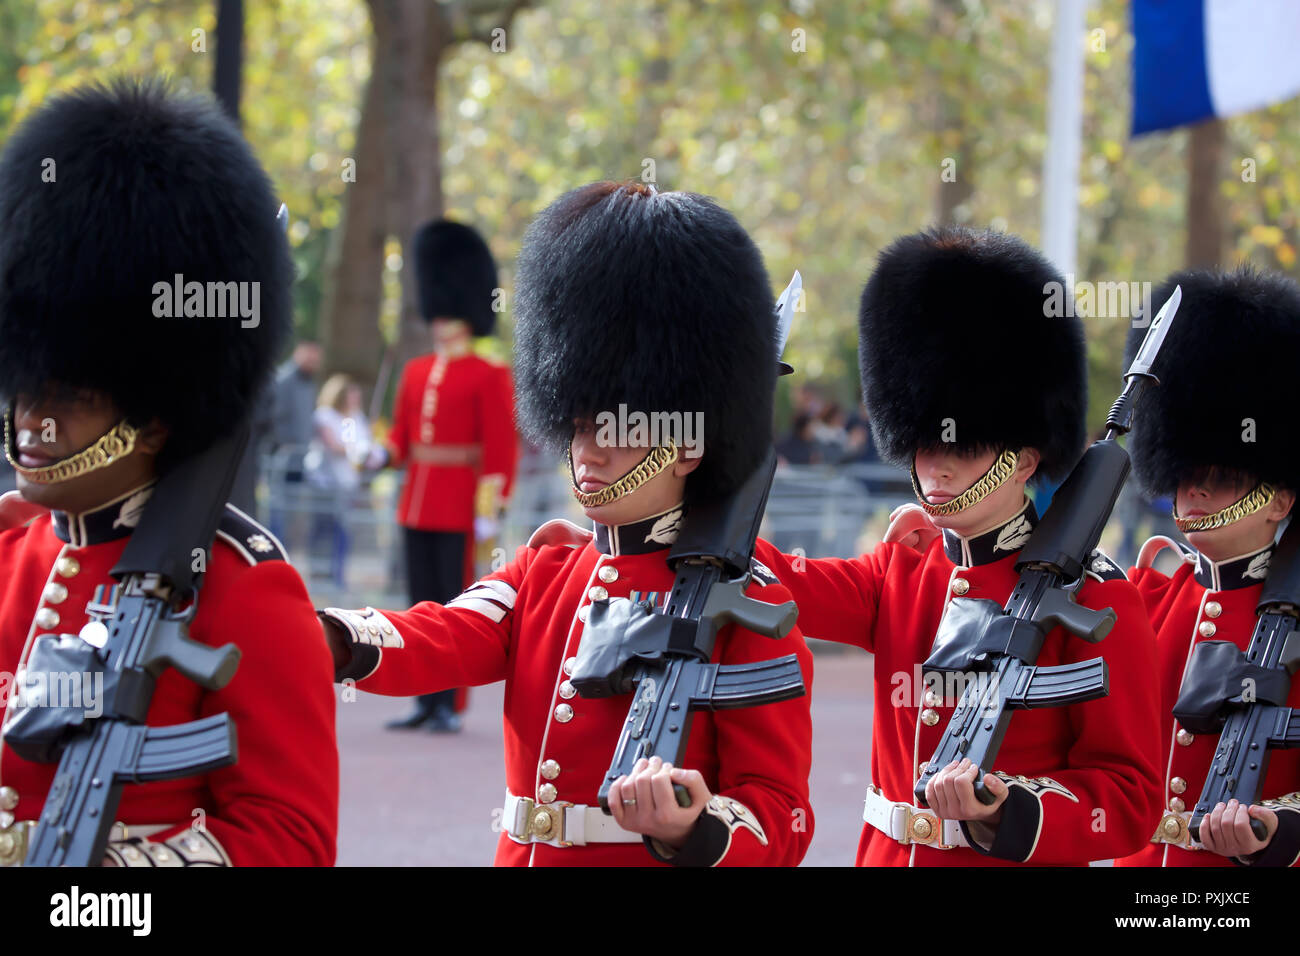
455,275
653,300
114,200
957,338
1219,402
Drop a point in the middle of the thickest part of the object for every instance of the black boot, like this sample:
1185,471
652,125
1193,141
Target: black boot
444,719
426,705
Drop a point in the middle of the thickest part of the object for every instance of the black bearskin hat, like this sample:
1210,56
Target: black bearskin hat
107,192
958,332
455,275
1221,401
654,300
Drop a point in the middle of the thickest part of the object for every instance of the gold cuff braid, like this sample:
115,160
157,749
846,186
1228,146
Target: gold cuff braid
653,463
1001,469
1255,499
116,443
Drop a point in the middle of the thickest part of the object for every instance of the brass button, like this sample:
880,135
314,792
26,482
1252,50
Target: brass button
960,586
546,793
1184,738
550,769
1176,805
598,593
583,612
921,769
8,798
1178,785
1213,609
922,828
67,566
47,618
1207,629
929,717
564,713
1172,826
569,665
567,690
607,573
931,699
55,593
542,824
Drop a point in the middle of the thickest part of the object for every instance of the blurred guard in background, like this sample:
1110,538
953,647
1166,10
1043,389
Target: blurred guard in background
453,430
1220,436
106,387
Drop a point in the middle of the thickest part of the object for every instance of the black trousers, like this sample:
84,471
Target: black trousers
435,571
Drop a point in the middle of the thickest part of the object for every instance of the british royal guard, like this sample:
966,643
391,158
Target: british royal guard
977,390
453,432
106,388
1220,437
659,302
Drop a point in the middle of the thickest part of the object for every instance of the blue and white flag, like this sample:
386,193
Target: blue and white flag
1200,58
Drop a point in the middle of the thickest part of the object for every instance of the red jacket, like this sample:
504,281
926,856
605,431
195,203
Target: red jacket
278,805
1180,607
458,410
1100,756
523,623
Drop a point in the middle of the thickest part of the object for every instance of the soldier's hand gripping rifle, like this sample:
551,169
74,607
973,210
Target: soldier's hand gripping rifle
996,648
663,655
1241,696
131,639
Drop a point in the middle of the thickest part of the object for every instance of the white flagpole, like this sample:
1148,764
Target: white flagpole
1064,137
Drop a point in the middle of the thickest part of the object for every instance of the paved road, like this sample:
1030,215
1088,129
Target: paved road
416,799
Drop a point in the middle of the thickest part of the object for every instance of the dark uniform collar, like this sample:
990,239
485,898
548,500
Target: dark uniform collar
1233,573
640,537
994,544
110,521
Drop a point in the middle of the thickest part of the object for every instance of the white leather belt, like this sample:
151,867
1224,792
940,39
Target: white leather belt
910,824
560,823
1174,830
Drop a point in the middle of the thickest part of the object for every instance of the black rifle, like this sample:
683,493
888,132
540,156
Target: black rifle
1241,696
144,631
996,648
663,655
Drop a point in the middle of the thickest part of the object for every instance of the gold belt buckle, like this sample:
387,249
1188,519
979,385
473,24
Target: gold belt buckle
925,827
13,842
1174,829
544,821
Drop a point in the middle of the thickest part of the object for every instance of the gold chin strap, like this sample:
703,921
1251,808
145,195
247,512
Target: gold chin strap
1001,469
1252,501
653,464
116,443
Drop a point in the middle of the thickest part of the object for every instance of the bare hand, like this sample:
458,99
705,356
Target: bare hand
1226,829
951,794
643,802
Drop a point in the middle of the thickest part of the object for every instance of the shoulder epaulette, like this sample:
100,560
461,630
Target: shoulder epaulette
254,542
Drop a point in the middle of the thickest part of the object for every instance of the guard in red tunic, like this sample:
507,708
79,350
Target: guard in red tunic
655,302
973,385
453,431
1219,436
107,384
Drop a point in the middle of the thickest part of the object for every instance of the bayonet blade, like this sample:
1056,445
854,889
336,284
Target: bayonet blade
785,308
1155,337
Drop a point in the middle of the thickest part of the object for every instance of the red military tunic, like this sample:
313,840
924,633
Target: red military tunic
453,427
278,805
1083,779
523,625
1205,601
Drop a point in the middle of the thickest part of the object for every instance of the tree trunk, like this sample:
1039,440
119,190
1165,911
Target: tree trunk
955,186
1204,199
349,321
226,73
